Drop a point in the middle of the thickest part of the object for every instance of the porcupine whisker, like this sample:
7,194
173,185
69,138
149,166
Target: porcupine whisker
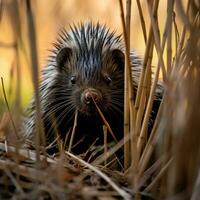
60,100
117,95
55,124
115,109
60,117
60,106
65,103
116,102
54,110
62,94
57,108
62,114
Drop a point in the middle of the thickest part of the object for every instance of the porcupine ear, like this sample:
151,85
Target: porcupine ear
63,56
119,58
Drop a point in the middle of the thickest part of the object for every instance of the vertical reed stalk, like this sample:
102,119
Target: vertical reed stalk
126,91
170,5
142,20
34,65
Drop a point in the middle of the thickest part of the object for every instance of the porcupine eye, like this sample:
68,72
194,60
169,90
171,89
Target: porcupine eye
73,80
108,80
63,57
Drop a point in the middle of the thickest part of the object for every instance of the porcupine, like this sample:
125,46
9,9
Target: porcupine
87,63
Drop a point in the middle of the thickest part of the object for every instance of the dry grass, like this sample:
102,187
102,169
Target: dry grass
163,164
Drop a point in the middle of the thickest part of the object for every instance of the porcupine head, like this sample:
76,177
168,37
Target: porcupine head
90,65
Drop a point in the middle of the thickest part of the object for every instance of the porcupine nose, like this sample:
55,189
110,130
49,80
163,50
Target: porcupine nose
91,95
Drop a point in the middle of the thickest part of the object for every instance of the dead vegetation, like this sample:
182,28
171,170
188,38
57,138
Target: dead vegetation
165,165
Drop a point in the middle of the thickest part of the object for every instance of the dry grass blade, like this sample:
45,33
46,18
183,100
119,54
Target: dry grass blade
146,176
9,111
4,120
143,132
154,23
181,11
129,108
22,170
150,145
11,80
1,9
142,81
14,181
73,131
111,151
126,90
142,20
170,5
121,192
154,184
26,153
34,63
128,79
196,191
142,122
105,121
13,9
181,43
108,127
105,132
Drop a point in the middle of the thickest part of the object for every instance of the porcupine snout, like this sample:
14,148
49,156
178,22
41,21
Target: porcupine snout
89,95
